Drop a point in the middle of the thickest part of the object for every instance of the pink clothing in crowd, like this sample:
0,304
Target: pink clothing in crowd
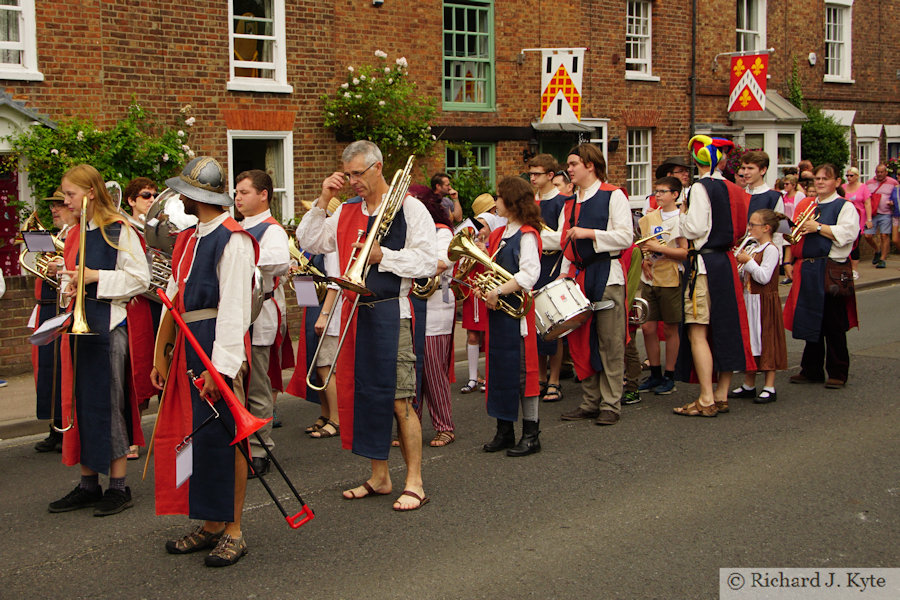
859,198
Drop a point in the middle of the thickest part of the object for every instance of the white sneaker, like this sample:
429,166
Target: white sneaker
3,383
855,275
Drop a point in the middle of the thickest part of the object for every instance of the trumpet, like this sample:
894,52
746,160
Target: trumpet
305,267
463,246
354,278
810,212
659,234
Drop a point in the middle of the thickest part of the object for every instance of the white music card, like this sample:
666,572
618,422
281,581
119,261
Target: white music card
306,290
184,464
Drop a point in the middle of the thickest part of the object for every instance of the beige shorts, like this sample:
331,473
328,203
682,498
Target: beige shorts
696,309
328,351
406,363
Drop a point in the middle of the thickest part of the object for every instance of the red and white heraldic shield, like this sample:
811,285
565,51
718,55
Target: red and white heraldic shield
748,82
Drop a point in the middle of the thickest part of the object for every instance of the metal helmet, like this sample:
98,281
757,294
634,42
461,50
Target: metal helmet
203,180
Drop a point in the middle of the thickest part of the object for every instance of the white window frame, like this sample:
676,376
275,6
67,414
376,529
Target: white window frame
645,65
278,84
868,137
758,29
601,136
638,171
287,153
844,74
27,70
892,136
770,135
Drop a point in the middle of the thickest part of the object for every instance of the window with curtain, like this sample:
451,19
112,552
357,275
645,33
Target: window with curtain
257,39
468,78
638,50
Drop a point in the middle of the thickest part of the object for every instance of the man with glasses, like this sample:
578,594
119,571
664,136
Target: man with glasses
376,378
448,197
541,170
563,184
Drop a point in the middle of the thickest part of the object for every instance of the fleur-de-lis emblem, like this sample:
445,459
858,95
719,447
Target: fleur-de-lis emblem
739,67
745,98
757,67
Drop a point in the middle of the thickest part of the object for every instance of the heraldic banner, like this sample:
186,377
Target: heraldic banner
561,84
748,82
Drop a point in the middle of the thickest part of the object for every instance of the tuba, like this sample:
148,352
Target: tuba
165,220
463,246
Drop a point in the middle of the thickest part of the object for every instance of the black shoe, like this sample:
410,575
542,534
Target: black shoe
276,422
113,502
260,466
77,498
529,444
742,392
876,257
52,443
631,398
765,397
503,439
567,372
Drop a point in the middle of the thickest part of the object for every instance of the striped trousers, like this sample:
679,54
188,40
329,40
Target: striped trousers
436,392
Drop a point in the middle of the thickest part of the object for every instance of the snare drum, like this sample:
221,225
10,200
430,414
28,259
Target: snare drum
560,307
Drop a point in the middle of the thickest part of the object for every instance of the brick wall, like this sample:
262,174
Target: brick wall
15,309
98,55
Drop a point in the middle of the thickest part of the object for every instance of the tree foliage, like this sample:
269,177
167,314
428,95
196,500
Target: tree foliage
824,140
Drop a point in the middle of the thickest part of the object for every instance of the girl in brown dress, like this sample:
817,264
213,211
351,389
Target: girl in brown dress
760,270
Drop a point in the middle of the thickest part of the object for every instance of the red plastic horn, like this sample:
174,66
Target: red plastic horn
245,423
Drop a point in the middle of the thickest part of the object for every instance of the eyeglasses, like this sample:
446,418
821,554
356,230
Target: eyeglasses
358,174
538,174
852,175
564,174
148,195
756,224
661,192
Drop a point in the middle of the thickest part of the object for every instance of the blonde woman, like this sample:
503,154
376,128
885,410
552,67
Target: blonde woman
115,270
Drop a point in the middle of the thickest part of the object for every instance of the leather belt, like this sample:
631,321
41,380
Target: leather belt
192,316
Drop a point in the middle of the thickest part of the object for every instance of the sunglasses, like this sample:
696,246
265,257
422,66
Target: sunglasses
148,195
564,174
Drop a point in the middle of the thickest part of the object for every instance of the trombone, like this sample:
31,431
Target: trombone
354,278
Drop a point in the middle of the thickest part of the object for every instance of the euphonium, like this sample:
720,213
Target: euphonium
747,244
305,267
463,245
808,213
37,263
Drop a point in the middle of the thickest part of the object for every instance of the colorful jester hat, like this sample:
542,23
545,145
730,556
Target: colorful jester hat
708,151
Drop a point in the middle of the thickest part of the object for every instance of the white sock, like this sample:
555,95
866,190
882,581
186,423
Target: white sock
748,387
771,390
472,350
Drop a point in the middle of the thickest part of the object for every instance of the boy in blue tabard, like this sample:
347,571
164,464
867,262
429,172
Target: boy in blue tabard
376,366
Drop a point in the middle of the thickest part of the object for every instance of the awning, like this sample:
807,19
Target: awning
562,127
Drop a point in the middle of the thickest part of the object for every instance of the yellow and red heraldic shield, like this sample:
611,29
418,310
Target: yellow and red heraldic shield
748,82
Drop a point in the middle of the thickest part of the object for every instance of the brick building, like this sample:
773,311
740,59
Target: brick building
254,72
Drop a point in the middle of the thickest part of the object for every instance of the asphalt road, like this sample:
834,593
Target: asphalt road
649,508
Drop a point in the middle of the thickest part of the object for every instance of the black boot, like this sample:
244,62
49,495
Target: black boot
529,444
504,438
52,443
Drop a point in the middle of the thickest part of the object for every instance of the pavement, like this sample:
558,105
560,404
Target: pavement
17,401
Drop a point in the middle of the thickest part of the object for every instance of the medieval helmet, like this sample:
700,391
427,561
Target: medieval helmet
203,180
